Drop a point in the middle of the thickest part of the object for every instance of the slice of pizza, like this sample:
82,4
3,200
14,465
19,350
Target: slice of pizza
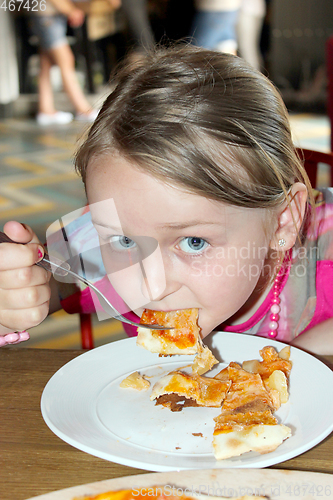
274,370
183,338
238,433
247,391
179,389
246,422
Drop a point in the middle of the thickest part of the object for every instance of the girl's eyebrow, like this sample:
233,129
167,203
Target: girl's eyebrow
166,225
108,226
184,225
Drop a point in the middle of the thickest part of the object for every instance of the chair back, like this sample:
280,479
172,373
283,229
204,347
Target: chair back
87,336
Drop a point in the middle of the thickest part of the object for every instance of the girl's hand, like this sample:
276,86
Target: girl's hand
24,287
76,18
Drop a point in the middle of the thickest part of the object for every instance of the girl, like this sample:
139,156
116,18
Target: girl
194,149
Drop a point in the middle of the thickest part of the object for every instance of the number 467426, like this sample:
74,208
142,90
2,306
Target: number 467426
27,5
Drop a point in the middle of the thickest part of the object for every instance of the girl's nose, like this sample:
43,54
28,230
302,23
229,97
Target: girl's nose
157,276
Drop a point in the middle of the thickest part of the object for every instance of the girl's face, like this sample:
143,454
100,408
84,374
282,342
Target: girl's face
210,255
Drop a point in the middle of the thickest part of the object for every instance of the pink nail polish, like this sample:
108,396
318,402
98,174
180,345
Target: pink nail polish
40,253
24,336
12,337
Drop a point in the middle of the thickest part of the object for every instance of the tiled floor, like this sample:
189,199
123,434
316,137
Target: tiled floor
38,185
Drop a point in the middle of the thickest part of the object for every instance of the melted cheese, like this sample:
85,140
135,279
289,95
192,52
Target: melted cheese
182,339
203,390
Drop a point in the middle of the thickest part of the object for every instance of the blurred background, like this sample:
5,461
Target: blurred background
292,45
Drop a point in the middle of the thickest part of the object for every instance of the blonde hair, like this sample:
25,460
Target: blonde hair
202,120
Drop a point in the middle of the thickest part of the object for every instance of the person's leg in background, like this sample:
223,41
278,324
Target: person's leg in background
45,92
47,114
63,57
249,28
54,49
49,32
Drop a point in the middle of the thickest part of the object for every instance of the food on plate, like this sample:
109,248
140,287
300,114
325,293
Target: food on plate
274,370
135,381
238,433
247,400
162,493
183,338
248,395
272,360
247,391
277,381
246,422
204,360
178,390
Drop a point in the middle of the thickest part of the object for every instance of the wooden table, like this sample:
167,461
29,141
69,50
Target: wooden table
34,461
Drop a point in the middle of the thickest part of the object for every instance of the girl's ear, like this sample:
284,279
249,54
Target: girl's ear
290,218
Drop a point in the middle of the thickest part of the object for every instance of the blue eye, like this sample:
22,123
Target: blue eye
192,244
121,243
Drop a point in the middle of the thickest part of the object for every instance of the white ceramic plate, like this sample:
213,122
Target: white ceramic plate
84,405
276,484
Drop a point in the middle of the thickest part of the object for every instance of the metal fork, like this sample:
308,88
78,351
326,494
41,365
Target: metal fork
47,264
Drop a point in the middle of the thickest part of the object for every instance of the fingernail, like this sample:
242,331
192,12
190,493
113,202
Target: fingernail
12,337
40,253
24,336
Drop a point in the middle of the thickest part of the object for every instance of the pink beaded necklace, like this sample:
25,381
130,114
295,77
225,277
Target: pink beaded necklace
275,307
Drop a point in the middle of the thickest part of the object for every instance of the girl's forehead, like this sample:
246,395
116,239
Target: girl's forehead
138,195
